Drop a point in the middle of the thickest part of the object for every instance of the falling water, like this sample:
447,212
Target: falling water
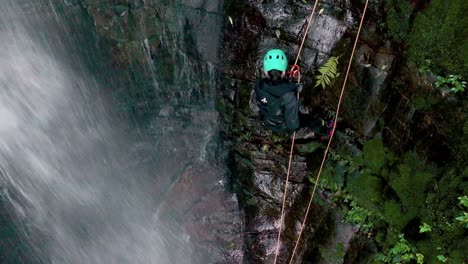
81,189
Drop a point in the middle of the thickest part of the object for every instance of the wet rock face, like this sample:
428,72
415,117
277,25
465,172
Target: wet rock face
259,159
165,53
131,25
208,215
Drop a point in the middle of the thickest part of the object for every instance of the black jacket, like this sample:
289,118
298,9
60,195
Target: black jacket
278,105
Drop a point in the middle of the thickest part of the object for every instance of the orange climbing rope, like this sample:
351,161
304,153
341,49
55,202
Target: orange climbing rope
332,134
329,141
295,69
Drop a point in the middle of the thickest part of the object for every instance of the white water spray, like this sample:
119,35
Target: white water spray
63,162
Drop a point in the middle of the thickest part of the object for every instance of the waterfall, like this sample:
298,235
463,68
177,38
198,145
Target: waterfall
79,188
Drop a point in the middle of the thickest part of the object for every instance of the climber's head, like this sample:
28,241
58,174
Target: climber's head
275,60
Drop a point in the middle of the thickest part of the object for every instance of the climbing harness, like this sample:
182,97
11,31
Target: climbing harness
329,140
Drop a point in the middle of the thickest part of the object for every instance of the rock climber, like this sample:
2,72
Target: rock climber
276,96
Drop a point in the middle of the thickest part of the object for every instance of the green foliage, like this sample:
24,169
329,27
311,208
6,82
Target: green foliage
374,155
278,138
139,98
335,256
452,83
360,217
442,258
309,147
410,183
246,136
393,215
425,102
463,201
335,171
425,66
463,218
382,193
439,35
397,19
367,190
425,228
328,72
401,252
328,180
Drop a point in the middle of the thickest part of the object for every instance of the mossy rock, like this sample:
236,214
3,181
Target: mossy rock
120,9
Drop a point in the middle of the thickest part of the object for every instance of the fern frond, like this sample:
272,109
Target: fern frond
328,72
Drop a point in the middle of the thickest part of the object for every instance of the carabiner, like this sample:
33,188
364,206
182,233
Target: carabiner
295,69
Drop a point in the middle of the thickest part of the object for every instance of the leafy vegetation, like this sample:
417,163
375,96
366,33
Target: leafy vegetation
439,35
397,18
424,228
328,72
360,217
387,197
452,83
463,218
401,252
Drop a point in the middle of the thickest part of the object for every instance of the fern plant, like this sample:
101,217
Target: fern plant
328,72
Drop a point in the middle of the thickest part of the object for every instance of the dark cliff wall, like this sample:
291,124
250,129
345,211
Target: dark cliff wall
394,123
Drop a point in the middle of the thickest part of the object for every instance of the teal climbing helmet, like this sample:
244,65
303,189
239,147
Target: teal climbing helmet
275,59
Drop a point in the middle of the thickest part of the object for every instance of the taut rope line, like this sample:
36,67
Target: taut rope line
332,134
293,136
